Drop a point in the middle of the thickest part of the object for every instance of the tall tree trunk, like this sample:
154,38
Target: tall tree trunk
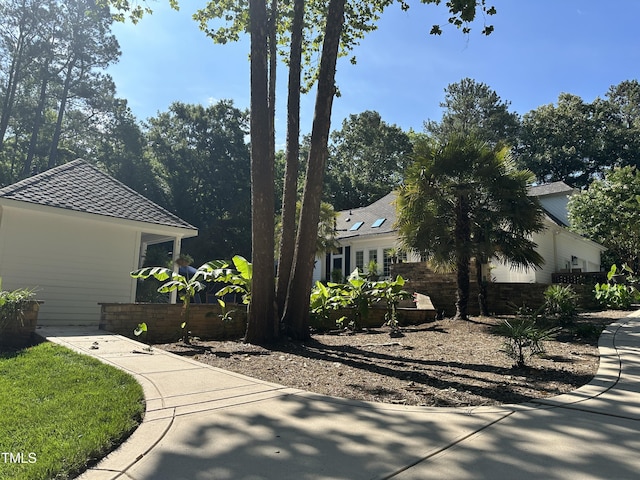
290,191
463,255
10,91
261,318
37,123
296,312
53,150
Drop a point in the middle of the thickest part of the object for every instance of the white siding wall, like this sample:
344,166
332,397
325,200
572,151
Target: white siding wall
75,263
545,247
557,246
587,255
556,205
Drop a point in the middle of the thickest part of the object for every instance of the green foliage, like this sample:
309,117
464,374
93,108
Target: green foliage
326,239
578,142
608,212
324,300
140,329
524,336
358,294
367,158
238,279
55,95
561,302
12,305
336,275
203,159
619,296
390,292
472,108
463,199
372,271
226,315
185,287
141,332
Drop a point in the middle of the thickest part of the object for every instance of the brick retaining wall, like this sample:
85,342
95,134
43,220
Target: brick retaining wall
163,320
16,334
501,297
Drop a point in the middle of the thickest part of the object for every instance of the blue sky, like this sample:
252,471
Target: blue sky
539,49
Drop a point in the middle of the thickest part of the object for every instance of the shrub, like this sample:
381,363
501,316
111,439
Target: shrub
560,302
614,294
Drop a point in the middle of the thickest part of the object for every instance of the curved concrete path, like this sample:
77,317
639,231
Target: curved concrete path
206,423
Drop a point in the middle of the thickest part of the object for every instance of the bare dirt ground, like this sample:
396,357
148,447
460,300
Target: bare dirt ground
443,363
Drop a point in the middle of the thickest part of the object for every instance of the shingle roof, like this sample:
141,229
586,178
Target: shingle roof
386,208
383,208
550,189
81,187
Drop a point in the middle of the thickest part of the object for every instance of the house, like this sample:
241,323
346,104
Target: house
368,234
562,250
75,233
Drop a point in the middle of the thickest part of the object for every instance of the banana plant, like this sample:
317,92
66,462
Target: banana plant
391,292
237,280
185,287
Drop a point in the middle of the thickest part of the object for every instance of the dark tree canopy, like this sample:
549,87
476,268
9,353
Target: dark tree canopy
472,108
367,158
578,142
205,164
53,89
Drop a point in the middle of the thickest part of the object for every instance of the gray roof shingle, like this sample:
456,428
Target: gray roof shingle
383,208
550,189
81,187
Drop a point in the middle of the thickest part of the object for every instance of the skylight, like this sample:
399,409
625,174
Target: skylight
378,222
356,226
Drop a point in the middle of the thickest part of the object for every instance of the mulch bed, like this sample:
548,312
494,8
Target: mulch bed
444,363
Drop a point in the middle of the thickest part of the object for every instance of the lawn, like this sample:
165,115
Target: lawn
61,411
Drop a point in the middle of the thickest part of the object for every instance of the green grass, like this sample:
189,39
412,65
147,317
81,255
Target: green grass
62,411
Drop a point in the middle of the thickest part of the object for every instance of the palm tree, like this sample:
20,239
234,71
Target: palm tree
462,200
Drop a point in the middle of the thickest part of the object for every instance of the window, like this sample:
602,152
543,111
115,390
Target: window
373,256
356,226
360,260
386,261
378,223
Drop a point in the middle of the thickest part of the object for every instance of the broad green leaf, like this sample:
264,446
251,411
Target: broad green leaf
142,327
243,266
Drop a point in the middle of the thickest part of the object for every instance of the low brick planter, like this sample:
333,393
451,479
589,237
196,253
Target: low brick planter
375,318
20,335
163,321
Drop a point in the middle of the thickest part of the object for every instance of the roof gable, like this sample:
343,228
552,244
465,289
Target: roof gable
386,208
81,187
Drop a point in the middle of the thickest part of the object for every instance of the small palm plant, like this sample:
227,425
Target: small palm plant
524,336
